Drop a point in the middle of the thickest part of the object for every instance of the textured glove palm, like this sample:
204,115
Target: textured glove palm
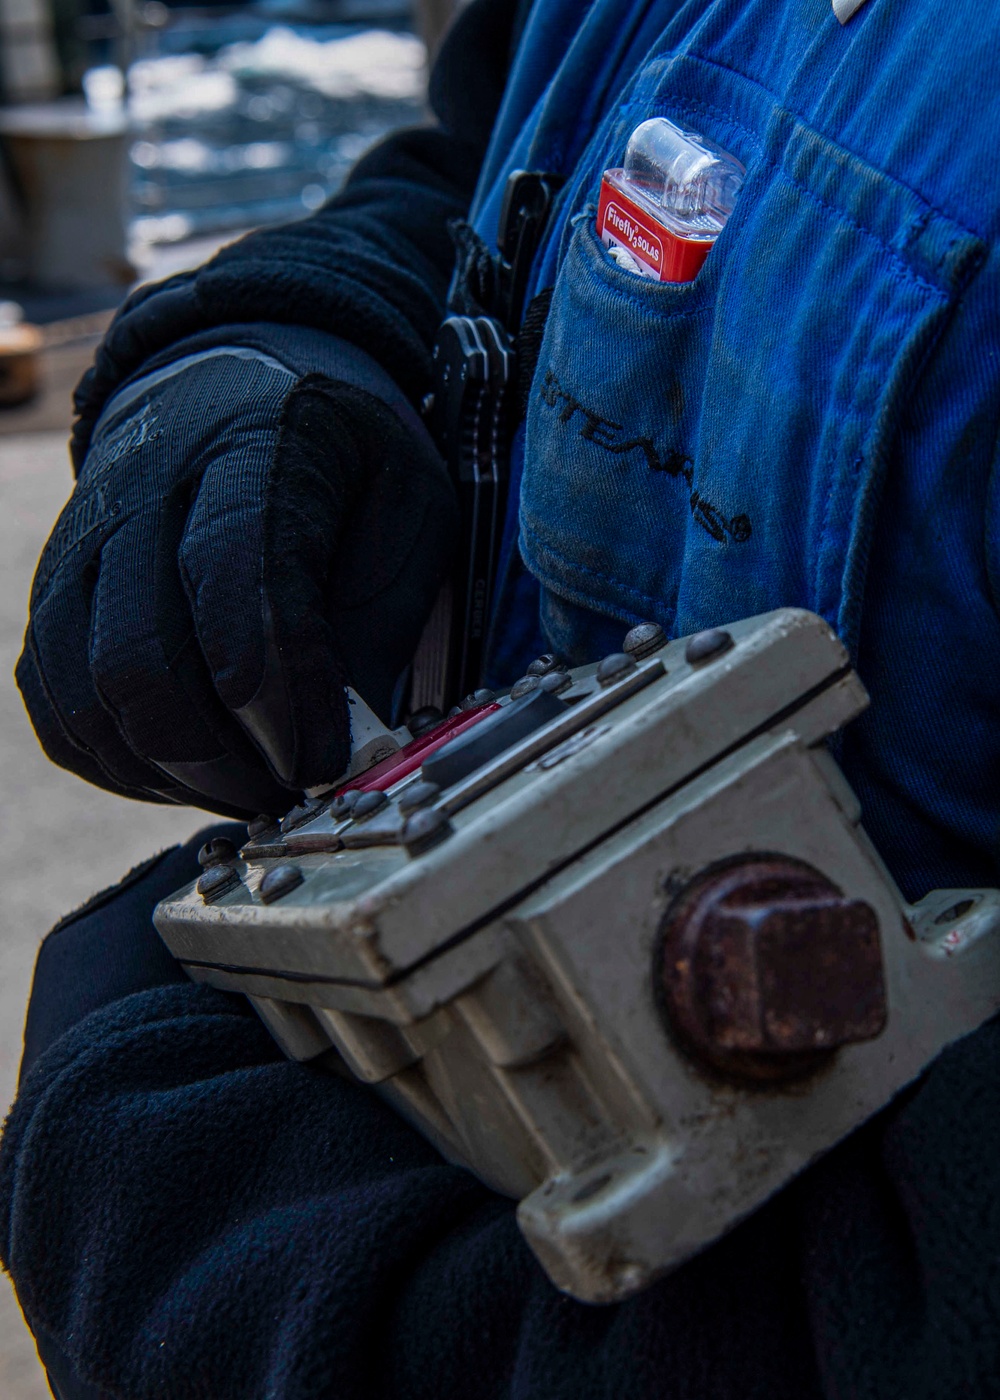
242,542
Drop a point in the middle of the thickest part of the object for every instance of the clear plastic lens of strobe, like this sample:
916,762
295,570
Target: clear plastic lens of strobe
683,176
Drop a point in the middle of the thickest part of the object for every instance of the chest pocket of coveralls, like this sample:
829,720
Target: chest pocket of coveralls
700,452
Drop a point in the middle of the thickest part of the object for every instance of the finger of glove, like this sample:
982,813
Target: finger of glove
58,742
75,727
147,661
150,673
273,656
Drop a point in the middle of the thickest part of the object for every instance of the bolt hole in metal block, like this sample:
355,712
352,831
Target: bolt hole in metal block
642,965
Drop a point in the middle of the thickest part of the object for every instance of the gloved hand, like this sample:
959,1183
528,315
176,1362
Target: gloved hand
243,541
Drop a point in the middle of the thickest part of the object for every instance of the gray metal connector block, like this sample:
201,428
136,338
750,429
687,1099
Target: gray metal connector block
636,969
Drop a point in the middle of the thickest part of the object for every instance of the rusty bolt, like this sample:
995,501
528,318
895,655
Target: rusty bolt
279,881
477,698
217,881
343,804
418,795
706,646
643,640
544,664
767,968
524,686
219,851
615,668
424,829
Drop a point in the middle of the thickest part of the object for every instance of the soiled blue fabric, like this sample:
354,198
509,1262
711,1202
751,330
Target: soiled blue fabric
812,420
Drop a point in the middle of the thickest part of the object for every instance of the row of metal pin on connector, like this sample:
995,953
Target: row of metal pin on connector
424,825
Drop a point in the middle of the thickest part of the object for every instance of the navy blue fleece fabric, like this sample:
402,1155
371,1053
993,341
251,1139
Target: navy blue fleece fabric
186,1214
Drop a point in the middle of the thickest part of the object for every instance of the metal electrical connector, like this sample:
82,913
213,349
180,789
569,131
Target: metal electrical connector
609,958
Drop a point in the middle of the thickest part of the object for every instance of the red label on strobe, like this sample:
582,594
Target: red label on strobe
659,252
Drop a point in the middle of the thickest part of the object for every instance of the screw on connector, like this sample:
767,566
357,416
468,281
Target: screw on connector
343,804
301,814
279,882
524,686
644,639
219,851
368,804
425,829
555,682
705,646
767,968
477,698
426,718
259,825
216,882
615,668
542,665
418,795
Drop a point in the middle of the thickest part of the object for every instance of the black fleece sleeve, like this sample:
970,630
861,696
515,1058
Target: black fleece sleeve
187,1215
372,266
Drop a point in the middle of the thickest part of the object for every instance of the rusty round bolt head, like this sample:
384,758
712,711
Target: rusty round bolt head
368,804
555,682
426,828
542,665
418,795
259,825
279,881
217,881
423,720
219,851
615,668
706,646
477,698
767,968
524,686
644,639
343,804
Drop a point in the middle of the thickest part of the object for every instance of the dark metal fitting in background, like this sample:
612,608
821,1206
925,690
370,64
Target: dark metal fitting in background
477,698
542,665
259,825
615,668
418,795
524,686
555,682
343,804
766,968
644,639
219,851
368,804
426,718
279,882
454,711
425,829
216,882
705,646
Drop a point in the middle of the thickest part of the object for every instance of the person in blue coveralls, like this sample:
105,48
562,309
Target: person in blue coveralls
260,518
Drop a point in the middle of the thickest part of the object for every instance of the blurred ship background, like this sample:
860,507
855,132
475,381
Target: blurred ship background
136,139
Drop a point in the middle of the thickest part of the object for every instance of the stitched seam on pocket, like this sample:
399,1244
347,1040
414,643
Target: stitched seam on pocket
903,272
799,117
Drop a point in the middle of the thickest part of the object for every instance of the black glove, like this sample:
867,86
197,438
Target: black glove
243,541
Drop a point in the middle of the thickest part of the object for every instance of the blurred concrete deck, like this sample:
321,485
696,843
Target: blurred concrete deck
60,840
